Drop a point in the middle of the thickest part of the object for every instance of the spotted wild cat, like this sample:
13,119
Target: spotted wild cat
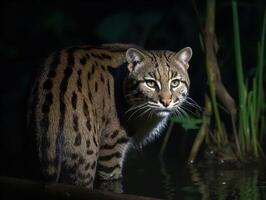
90,102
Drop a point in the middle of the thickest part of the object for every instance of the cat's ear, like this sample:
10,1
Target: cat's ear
134,58
184,55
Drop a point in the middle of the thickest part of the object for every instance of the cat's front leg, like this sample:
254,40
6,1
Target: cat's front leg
111,155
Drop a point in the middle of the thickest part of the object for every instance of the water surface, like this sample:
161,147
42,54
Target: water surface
171,179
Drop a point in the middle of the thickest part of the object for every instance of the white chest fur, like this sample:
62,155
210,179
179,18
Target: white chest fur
146,130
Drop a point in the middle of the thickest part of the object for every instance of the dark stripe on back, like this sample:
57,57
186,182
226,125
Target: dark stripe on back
75,123
108,88
44,123
48,84
89,76
79,81
103,102
103,68
87,115
88,143
90,97
106,56
87,56
47,103
101,56
77,140
103,118
92,69
96,86
74,100
83,60
62,106
96,55
101,77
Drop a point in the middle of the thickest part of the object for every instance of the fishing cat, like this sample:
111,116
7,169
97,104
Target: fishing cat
90,102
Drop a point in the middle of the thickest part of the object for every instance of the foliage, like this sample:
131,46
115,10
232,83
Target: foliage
189,123
251,96
248,120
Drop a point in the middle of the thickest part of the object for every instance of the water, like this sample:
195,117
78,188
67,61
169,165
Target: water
170,179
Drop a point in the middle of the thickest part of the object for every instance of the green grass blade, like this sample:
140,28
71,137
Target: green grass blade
238,56
260,68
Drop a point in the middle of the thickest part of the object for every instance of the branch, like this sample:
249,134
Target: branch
22,189
216,85
202,132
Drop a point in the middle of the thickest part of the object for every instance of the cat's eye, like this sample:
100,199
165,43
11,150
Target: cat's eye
150,83
175,83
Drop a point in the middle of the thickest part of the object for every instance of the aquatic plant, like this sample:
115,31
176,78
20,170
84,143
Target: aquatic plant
247,118
250,96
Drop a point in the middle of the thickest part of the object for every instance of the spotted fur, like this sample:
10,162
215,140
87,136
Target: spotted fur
89,103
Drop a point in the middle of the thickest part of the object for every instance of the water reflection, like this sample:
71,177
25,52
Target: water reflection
224,184
169,179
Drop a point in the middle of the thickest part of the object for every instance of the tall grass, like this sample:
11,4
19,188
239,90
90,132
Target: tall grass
250,97
248,125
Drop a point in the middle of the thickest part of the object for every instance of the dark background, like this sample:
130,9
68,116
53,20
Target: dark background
31,31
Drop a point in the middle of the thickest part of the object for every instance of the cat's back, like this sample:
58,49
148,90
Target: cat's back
74,70
73,92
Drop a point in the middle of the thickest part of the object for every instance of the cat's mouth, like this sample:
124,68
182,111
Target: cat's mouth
163,112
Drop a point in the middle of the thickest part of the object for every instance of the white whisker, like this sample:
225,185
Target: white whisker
183,112
143,113
178,113
135,107
150,114
137,110
186,108
192,103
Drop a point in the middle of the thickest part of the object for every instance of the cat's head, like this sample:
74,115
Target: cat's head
158,82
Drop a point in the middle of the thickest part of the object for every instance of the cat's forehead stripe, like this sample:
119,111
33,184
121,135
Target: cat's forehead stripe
159,74
151,74
164,53
153,56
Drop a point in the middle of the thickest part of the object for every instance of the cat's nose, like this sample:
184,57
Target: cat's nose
166,101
